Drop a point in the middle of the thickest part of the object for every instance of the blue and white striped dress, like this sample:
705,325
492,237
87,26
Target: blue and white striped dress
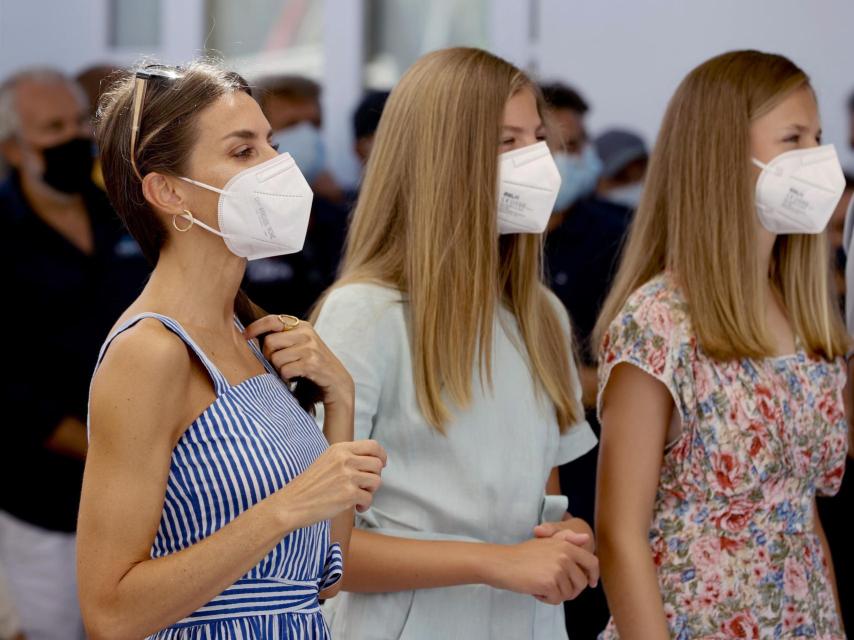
250,442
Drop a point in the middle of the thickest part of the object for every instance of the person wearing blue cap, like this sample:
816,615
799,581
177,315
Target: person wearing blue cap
624,158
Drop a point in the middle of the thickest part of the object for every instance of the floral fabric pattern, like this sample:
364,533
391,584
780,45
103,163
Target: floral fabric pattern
732,533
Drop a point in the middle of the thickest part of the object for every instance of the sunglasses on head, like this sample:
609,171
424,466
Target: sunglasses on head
142,78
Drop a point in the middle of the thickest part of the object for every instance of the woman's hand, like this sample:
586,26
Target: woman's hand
300,353
548,529
552,569
346,475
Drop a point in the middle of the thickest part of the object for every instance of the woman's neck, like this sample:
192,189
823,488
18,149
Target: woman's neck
198,289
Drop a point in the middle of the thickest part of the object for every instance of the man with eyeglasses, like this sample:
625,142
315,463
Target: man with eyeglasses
70,269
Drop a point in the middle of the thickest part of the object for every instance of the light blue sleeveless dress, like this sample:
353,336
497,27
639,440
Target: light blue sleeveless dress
250,442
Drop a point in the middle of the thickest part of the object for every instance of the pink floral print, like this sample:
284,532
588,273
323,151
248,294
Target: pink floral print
732,534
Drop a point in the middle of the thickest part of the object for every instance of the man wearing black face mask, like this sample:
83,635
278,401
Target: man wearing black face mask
72,269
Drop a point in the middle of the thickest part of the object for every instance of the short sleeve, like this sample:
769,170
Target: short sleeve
650,334
579,438
354,322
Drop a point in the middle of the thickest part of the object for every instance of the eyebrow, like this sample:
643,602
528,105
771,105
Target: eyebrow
800,128
244,134
513,129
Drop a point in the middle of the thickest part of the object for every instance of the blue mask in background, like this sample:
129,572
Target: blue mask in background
304,143
579,174
628,195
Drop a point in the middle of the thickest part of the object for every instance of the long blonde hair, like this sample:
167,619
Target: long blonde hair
425,224
697,218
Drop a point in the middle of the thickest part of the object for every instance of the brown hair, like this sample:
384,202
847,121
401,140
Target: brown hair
425,224
697,218
167,134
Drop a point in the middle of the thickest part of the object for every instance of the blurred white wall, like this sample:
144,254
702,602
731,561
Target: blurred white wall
60,34
628,56
625,56
73,34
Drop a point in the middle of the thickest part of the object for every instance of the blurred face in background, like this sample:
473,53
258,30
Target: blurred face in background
576,160
286,111
296,125
363,147
52,147
570,128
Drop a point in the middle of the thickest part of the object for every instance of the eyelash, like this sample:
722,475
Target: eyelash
794,139
512,140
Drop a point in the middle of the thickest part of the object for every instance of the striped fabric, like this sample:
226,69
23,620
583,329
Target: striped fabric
248,444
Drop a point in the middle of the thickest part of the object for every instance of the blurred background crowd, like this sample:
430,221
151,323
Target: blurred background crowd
322,70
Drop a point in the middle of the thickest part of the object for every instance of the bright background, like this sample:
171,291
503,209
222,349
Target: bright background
625,56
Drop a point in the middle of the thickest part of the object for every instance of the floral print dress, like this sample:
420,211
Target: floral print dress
732,533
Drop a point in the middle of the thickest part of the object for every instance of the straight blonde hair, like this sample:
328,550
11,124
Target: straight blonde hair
425,224
697,218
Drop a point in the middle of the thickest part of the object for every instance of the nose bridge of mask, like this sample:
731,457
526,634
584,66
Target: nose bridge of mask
521,157
791,163
263,172
797,158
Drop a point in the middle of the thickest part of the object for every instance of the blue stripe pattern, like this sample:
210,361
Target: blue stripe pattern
249,443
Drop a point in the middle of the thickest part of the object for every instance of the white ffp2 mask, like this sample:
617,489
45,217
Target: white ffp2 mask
263,210
528,182
798,190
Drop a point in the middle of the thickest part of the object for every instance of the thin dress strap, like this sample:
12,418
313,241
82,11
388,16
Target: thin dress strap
220,383
267,364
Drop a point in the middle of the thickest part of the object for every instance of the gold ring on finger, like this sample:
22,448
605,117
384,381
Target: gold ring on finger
289,323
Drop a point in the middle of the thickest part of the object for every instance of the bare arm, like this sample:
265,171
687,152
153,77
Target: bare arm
381,563
635,415
539,567
589,385
136,416
338,427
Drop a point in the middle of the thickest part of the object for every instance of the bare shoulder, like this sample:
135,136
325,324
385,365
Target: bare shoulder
147,349
143,376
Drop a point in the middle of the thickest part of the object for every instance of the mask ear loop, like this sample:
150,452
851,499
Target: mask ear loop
186,215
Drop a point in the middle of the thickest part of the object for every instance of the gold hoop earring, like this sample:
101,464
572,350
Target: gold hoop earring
187,214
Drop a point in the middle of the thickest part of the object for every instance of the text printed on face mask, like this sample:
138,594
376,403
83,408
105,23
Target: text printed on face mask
263,219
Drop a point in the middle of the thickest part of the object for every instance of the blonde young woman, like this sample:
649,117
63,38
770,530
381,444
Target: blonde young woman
463,366
721,369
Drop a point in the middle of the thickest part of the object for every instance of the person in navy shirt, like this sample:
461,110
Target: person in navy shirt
70,269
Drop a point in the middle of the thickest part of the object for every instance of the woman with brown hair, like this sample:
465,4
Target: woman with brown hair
721,369
208,490
462,361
